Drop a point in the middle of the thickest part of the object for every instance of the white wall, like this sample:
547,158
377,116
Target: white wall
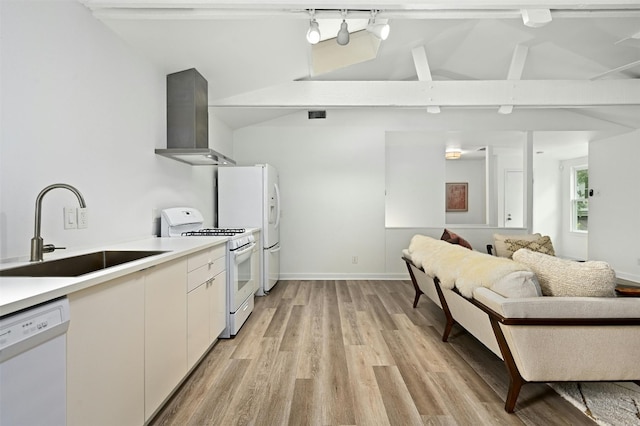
80,107
614,210
332,184
414,171
547,196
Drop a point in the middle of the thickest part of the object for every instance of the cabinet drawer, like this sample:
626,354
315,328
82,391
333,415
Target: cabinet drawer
205,273
202,258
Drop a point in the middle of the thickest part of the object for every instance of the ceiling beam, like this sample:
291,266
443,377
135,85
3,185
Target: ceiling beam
206,13
416,9
368,4
618,69
424,72
422,94
515,71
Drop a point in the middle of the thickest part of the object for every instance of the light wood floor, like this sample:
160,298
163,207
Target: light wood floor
354,353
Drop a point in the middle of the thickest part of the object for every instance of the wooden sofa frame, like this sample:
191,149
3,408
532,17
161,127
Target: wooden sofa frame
516,381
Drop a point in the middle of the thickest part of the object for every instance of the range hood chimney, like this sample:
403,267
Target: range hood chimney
188,121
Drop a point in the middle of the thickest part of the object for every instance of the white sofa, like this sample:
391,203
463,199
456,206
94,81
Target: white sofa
539,338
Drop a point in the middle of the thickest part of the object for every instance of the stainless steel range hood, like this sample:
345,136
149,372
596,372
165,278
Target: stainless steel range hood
188,121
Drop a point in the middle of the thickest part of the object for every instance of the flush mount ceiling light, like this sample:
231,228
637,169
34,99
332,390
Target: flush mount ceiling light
313,33
343,35
452,155
379,30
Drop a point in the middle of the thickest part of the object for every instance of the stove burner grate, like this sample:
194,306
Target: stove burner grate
214,232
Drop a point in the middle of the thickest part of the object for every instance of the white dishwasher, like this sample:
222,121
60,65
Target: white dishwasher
33,365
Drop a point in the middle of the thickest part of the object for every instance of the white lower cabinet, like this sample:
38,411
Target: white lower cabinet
165,337
206,301
132,340
105,354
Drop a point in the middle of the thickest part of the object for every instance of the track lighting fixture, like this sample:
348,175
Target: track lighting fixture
343,35
313,33
379,30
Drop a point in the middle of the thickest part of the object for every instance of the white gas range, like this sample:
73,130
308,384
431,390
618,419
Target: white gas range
242,260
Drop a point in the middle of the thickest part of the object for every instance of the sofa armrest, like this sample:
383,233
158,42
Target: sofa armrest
626,310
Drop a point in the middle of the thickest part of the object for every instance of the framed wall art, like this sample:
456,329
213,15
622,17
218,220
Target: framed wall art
457,196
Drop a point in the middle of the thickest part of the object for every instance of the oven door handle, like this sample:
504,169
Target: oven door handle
242,255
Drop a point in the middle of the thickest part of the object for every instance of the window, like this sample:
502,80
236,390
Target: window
579,200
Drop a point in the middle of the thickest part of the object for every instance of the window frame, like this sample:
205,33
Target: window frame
575,199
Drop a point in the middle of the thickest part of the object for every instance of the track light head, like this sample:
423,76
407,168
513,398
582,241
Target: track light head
379,30
313,33
343,34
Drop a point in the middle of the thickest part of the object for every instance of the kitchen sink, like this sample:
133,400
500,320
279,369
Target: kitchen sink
78,265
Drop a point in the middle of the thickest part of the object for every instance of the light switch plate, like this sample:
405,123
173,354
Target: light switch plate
70,218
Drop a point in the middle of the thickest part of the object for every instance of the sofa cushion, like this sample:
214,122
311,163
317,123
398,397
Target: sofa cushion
518,284
453,238
563,277
541,245
500,245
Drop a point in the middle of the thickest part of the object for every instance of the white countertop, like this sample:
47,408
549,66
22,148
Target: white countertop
17,293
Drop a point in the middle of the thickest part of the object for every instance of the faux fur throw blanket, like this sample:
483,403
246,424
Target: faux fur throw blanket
459,267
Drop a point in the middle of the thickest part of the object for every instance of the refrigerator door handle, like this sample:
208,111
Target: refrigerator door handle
275,249
275,185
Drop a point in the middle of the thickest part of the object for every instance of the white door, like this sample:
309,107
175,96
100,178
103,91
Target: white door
513,199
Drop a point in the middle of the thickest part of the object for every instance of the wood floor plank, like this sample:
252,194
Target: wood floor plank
217,401
302,403
342,291
251,392
248,345
294,329
380,313
397,400
424,395
303,294
372,336
279,392
335,386
279,320
349,321
357,297
308,366
368,405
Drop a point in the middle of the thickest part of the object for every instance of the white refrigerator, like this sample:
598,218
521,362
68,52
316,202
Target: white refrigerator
249,197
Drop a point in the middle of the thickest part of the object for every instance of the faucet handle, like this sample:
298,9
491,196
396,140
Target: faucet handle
48,248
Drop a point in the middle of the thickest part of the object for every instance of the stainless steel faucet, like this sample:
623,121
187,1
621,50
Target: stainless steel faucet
37,246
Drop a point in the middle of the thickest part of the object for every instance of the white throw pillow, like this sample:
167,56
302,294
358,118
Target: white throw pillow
562,277
518,284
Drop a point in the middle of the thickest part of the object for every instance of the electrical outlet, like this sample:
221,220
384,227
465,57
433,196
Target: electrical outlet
354,260
83,217
70,218
639,261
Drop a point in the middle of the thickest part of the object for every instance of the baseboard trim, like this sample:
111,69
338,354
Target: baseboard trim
344,276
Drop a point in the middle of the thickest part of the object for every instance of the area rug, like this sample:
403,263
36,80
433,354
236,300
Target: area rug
607,403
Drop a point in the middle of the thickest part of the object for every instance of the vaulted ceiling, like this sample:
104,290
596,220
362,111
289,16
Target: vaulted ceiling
440,55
